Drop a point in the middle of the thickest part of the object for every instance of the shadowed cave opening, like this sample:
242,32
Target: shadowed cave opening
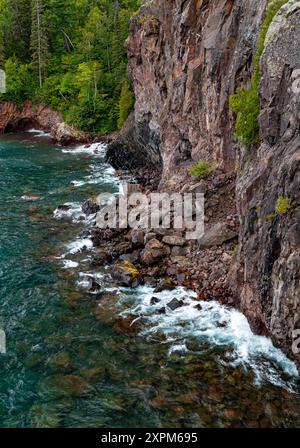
21,125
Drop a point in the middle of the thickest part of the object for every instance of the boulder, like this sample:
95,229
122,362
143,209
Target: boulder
90,207
149,236
181,261
102,257
165,284
178,251
67,135
126,274
137,238
154,251
174,304
64,207
217,235
154,301
174,240
132,257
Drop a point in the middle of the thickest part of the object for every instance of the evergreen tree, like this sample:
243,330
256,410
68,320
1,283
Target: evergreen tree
5,23
39,41
69,55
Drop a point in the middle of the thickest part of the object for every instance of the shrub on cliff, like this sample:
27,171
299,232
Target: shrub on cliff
283,206
126,103
245,101
201,170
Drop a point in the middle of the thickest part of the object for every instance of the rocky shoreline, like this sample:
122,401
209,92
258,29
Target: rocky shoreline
186,59
163,258
31,116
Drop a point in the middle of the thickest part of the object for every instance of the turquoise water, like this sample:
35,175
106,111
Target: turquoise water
68,366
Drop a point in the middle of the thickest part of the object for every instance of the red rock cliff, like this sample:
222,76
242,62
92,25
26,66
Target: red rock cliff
185,58
37,116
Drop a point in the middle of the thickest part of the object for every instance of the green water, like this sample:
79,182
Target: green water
64,367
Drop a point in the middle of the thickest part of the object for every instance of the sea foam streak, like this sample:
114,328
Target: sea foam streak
100,174
95,149
71,210
39,133
216,324
69,264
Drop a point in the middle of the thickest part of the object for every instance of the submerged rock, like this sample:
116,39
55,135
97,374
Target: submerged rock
43,415
61,361
30,197
66,385
34,360
130,325
93,374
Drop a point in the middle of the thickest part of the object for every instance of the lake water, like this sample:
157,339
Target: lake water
67,365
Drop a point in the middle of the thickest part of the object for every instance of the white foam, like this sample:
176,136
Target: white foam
79,245
69,264
100,174
95,149
73,211
86,278
39,133
78,183
217,325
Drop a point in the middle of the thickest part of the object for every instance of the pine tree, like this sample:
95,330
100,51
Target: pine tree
39,41
69,55
5,22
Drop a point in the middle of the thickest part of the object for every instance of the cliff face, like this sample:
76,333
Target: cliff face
41,117
270,241
185,58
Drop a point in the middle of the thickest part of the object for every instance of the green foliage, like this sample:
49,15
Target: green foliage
69,55
201,170
20,82
245,101
39,40
126,103
283,206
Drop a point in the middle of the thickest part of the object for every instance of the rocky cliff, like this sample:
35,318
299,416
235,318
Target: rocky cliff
186,57
41,117
269,276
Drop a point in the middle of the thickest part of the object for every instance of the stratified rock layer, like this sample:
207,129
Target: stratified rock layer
270,241
186,57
